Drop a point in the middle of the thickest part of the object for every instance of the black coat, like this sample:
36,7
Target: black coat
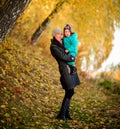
67,80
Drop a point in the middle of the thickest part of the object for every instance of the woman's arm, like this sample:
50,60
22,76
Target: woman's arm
59,53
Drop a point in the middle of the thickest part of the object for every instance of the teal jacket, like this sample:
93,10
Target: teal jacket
71,43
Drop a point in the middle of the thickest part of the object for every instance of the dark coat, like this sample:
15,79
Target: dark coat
67,80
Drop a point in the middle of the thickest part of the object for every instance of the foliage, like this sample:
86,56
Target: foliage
115,68
2,2
93,21
30,94
112,87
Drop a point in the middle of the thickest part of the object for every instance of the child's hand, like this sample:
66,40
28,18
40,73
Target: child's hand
66,51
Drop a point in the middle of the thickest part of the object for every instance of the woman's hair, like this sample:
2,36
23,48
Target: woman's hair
56,31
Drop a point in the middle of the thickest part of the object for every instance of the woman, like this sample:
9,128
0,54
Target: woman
68,81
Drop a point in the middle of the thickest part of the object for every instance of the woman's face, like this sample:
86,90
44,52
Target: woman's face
58,36
67,33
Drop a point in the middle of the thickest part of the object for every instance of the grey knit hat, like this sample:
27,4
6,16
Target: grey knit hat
56,31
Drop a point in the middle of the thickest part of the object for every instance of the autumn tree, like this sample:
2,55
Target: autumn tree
45,23
9,12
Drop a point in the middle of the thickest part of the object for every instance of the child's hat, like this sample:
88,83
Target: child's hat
68,27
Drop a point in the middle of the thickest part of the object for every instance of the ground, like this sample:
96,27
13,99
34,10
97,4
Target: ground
31,95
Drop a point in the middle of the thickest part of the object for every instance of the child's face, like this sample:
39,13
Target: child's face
67,33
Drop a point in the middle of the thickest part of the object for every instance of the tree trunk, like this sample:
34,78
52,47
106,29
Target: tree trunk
9,13
45,23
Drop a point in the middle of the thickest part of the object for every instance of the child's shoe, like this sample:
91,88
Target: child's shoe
73,69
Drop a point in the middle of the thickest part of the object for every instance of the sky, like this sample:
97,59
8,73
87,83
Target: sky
114,57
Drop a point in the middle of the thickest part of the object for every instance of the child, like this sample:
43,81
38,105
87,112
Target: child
70,41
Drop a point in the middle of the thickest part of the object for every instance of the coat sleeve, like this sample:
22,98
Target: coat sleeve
59,53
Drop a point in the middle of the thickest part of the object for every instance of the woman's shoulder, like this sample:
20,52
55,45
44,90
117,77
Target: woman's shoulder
52,46
53,43
55,47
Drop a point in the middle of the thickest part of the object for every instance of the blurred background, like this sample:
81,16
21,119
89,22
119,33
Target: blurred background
96,23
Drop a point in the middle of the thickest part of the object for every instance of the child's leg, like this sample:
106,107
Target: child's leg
73,69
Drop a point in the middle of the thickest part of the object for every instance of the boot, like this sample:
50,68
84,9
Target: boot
73,69
62,112
67,114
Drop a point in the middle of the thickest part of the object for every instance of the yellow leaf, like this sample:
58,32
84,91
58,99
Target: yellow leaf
7,115
86,127
3,106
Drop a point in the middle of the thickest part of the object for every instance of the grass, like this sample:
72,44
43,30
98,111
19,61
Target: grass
111,86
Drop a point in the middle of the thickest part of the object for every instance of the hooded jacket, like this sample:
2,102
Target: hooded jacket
71,43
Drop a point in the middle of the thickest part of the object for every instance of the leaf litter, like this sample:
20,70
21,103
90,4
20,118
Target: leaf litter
31,95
